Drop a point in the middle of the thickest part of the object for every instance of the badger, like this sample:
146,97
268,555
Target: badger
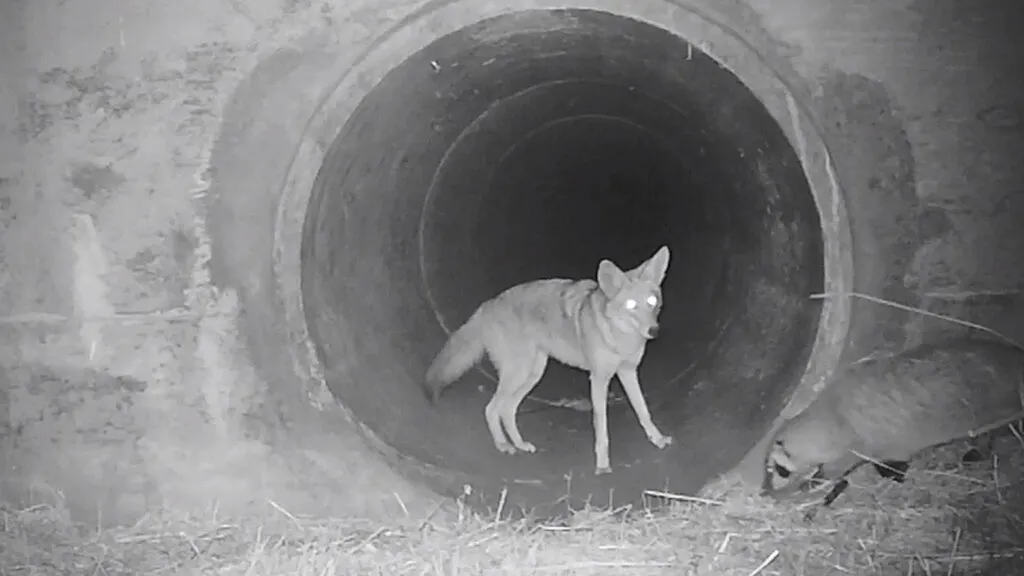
885,410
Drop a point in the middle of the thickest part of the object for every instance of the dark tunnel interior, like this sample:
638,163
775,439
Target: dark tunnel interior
530,146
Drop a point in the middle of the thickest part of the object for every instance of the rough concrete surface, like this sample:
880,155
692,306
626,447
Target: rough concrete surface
149,352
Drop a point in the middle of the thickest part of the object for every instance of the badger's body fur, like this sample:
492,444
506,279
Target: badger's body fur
885,410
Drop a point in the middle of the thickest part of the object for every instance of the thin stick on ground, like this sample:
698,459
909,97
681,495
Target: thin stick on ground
970,294
430,516
771,557
681,497
995,477
501,504
725,542
281,509
920,311
595,564
952,555
401,503
47,318
1017,434
925,565
1008,553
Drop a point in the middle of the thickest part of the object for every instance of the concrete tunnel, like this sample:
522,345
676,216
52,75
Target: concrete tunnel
529,146
362,203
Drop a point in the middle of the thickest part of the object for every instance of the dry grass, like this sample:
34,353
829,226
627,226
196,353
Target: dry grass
946,519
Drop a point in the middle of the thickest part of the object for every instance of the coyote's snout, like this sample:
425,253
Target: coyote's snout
601,327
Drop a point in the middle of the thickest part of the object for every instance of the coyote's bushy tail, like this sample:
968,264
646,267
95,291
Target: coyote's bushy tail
464,348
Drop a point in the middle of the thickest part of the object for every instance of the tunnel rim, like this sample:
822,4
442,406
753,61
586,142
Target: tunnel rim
692,23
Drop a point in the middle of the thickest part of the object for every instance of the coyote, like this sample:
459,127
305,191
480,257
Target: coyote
601,327
885,410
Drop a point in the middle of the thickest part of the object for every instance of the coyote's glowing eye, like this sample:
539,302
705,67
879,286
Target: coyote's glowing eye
630,304
652,300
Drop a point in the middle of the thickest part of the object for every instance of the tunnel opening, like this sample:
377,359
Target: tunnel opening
532,145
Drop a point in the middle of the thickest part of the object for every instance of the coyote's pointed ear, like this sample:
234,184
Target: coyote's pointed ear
654,269
610,278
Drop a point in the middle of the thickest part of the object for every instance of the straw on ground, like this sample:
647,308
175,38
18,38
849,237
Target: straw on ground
946,519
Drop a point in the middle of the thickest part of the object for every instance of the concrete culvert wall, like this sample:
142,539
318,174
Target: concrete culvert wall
234,237
531,145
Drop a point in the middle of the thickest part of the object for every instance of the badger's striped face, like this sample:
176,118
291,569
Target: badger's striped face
783,474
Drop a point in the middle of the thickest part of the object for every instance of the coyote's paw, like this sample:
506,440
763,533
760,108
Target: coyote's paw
602,470
527,447
661,440
505,447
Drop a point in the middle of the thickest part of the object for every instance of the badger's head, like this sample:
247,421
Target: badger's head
785,473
